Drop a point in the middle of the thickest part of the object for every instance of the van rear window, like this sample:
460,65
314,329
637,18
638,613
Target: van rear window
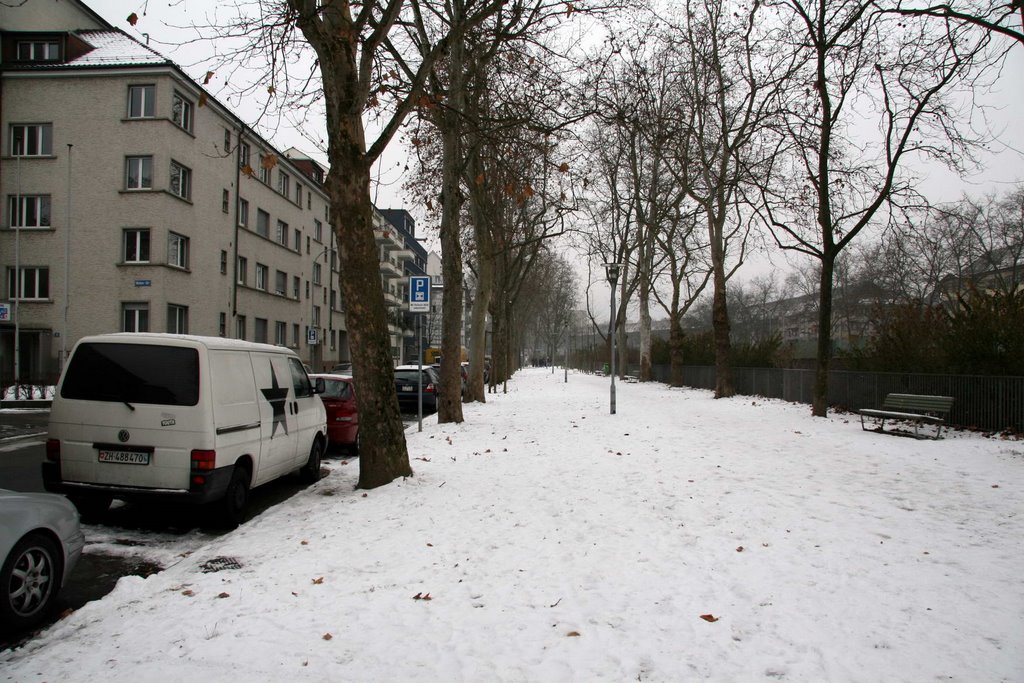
133,373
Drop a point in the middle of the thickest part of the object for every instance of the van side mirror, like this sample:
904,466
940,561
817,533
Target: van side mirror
319,386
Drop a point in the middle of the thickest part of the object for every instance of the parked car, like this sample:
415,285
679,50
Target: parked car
40,542
165,417
343,368
339,399
407,384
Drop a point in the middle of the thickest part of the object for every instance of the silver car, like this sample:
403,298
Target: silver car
40,542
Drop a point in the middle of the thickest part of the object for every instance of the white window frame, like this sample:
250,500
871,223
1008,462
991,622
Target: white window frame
139,165
240,327
177,319
281,234
281,283
280,333
180,184
318,230
22,207
146,103
317,273
262,228
182,111
284,184
32,279
177,250
50,51
133,243
36,139
262,273
243,212
137,313
243,270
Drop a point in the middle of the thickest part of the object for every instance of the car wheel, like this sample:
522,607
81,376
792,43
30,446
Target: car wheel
236,497
91,508
30,577
310,472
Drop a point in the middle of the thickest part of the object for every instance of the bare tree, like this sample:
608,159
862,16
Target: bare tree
736,86
851,49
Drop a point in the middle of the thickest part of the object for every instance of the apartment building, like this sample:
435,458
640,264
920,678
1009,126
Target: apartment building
133,201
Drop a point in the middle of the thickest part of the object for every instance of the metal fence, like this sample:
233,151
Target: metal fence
982,402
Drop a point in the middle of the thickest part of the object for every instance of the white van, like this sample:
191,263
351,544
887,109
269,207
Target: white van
183,418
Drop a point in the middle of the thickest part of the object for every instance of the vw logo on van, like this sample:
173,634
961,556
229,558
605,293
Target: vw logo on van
123,436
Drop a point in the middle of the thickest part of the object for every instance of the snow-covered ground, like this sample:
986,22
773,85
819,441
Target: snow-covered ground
545,540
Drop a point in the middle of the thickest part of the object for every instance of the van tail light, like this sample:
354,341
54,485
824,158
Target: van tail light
204,460
53,450
429,389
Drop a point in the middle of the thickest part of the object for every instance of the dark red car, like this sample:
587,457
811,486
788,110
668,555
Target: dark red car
342,417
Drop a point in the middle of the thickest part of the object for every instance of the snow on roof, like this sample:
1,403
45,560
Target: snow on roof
116,48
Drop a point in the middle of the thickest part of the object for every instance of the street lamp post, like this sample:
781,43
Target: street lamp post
612,271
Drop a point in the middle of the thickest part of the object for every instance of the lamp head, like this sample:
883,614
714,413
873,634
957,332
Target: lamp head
612,271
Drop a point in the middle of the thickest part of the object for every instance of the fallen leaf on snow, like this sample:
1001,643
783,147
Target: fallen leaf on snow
740,549
317,581
709,617
327,636
573,634
224,595
422,596
187,593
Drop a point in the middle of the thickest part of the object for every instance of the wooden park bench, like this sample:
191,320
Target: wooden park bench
914,408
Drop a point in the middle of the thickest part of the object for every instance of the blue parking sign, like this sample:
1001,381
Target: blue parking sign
419,294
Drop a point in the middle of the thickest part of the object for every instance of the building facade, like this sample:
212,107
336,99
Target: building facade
133,201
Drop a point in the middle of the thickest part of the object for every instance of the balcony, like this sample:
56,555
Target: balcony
392,300
390,270
403,255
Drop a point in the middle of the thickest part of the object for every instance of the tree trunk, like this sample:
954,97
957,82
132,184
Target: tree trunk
720,315
675,349
383,456
645,330
823,359
449,408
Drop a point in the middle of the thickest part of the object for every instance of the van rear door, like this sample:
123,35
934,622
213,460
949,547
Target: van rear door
130,414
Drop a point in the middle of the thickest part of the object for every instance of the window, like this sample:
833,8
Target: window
222,326
295,334
307,244
284,183
181,180
295,286
264,170
177,319
138,173
243,270
240,327
280,333
243,154
262,223
223,262
281,283
298,194
316,316
181,111
261,276
260,331
34,283
307,289
32,140
227,140
177,250
135,317
38,51
243,213
225,201
297,242
28,211
136,245
334,300
282,233
141,99
318,230
316,273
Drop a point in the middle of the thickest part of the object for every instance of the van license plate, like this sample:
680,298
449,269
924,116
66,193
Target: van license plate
406,387
125,457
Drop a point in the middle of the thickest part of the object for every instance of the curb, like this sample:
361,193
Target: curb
34,403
